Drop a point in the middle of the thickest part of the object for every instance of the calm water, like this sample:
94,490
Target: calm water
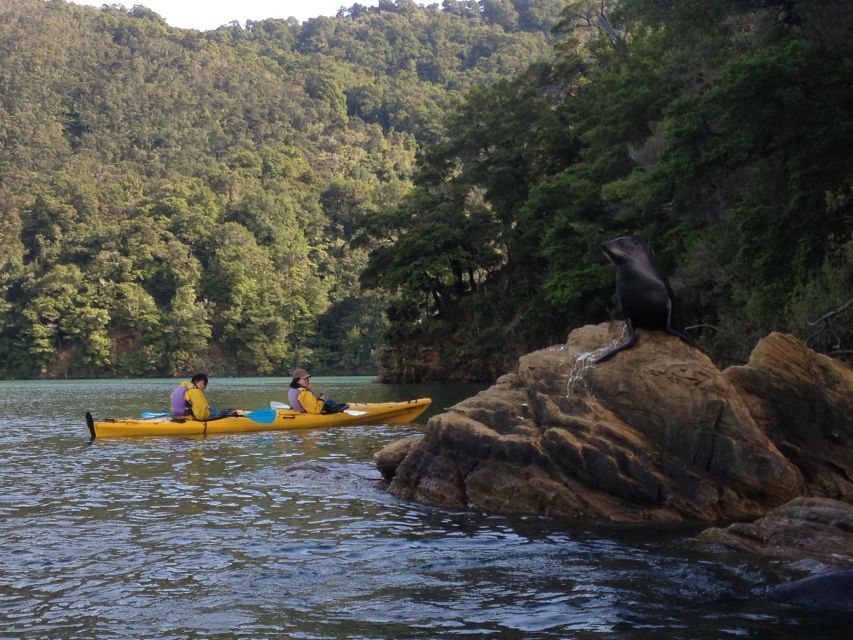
289,535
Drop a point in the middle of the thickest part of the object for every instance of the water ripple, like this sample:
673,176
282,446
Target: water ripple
291,535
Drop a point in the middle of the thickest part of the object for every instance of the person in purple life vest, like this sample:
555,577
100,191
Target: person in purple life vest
188,401
302,398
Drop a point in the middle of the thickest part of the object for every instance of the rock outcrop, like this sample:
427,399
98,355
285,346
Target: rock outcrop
815,529
656,433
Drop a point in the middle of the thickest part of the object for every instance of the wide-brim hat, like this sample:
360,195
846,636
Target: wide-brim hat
300,373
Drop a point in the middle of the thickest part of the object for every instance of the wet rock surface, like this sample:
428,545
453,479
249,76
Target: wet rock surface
830,592
818,529
656,433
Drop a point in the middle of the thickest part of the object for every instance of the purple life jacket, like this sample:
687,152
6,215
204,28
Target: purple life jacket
179,402
293,400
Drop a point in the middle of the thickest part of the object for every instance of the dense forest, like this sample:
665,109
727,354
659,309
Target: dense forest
423,189
174,199
718,130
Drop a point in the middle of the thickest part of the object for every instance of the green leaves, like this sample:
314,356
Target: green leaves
64,319
174,198
717,130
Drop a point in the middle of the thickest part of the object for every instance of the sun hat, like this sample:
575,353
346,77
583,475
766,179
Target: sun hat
300,373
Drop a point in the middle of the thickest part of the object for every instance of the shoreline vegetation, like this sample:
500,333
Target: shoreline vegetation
416,193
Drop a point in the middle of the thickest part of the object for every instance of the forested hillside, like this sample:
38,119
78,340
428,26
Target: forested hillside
719,130
421,188
174,200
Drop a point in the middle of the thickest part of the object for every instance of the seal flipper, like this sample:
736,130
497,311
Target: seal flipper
632,338
669,328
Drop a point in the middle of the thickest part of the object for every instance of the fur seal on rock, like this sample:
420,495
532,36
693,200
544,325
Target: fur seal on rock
645,297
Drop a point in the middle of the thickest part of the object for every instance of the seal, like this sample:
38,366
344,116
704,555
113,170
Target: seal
645,297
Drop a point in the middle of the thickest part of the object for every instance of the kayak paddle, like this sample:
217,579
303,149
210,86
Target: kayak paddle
261,416
281,405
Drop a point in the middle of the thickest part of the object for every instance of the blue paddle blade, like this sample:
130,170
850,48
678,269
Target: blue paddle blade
262,416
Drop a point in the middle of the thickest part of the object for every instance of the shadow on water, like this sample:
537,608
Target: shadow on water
291,535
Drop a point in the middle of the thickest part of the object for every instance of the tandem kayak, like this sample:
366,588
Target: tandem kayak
262,420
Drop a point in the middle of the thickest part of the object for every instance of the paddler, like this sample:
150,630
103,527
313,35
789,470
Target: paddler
301,397
188,400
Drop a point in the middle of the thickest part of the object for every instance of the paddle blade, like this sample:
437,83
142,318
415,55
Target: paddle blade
262,416
147,415
278,405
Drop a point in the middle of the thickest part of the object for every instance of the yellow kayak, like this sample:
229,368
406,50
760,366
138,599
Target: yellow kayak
262,420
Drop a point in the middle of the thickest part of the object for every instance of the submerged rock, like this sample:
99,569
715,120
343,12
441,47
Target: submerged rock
830,592
655,433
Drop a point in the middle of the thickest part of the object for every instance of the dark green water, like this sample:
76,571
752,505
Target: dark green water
290,535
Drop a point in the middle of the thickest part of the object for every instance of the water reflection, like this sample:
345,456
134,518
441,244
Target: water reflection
290,534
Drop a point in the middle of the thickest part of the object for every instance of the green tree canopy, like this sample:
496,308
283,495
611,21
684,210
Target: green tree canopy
174,199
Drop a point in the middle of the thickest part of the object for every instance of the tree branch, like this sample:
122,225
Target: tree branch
831,313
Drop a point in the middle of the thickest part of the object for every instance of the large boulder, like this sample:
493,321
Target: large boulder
804,402
655,433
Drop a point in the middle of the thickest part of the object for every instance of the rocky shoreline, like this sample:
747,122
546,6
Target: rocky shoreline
658,433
